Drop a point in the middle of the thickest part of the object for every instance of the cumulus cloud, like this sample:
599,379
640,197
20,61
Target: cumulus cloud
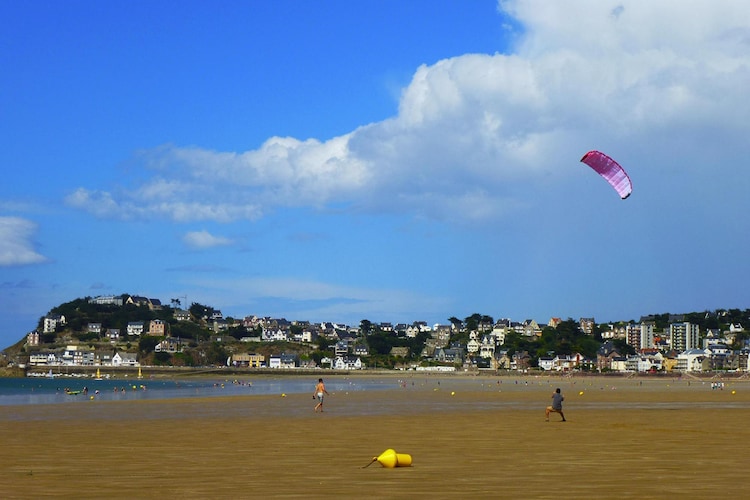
16,247
474,134
204,239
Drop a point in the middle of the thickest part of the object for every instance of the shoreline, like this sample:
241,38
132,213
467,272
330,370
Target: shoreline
181,371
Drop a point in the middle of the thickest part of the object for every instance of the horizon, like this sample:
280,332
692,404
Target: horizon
337,161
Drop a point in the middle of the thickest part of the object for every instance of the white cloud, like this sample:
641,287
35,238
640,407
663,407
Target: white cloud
475,134
315,300
204,239
16,247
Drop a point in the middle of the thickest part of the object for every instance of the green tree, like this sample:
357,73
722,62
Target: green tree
148,343
365,327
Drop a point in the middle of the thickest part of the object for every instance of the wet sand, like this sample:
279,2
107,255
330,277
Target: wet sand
481,437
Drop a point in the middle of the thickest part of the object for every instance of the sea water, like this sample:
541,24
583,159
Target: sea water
44,390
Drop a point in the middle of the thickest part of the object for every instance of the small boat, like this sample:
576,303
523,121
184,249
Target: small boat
72,393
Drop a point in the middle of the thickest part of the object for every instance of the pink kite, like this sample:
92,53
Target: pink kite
611,171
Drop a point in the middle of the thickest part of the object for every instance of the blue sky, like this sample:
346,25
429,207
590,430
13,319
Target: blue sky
386,160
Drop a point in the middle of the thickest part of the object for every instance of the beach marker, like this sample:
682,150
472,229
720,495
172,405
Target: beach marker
390,459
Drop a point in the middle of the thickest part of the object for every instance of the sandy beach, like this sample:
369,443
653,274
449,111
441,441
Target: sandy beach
482,437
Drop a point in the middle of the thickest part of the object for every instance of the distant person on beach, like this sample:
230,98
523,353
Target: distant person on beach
556,405
320,391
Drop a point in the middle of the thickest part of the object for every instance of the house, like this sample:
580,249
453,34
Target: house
52,321
605,354
135,328
94,328
274,362
169,344
125,359
181,315
275,335
42,358
450,355
113,334
137,300
499,332
520,361
587,325
304,334
106,300
157,327
219,325
361,350
152,304
502,360
530,328
347,363
103,358
618,363
441,335
341,348
487,347
283,361
547,363
693,360
415,328
248,360
289,361
33,338
560,363
83,357
473,345
644,363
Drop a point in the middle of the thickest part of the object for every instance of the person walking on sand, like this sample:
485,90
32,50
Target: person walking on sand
556,405
320,391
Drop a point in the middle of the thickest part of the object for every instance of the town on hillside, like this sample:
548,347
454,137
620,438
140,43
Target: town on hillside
133,331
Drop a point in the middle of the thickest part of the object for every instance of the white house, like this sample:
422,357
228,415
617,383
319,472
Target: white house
124,359
135,327
691,360
51,321
546,363
347,363
274,362
644,363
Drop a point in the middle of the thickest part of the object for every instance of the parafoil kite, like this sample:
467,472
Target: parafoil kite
611,171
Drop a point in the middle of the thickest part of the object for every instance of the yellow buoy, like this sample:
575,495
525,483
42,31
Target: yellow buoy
453,393
390,459
580,393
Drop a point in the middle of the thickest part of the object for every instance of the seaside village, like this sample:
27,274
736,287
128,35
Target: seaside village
681,346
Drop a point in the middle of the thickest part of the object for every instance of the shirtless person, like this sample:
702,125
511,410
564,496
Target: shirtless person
320,390
556,405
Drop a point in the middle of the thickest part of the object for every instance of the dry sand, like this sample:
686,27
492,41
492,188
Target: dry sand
624,438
